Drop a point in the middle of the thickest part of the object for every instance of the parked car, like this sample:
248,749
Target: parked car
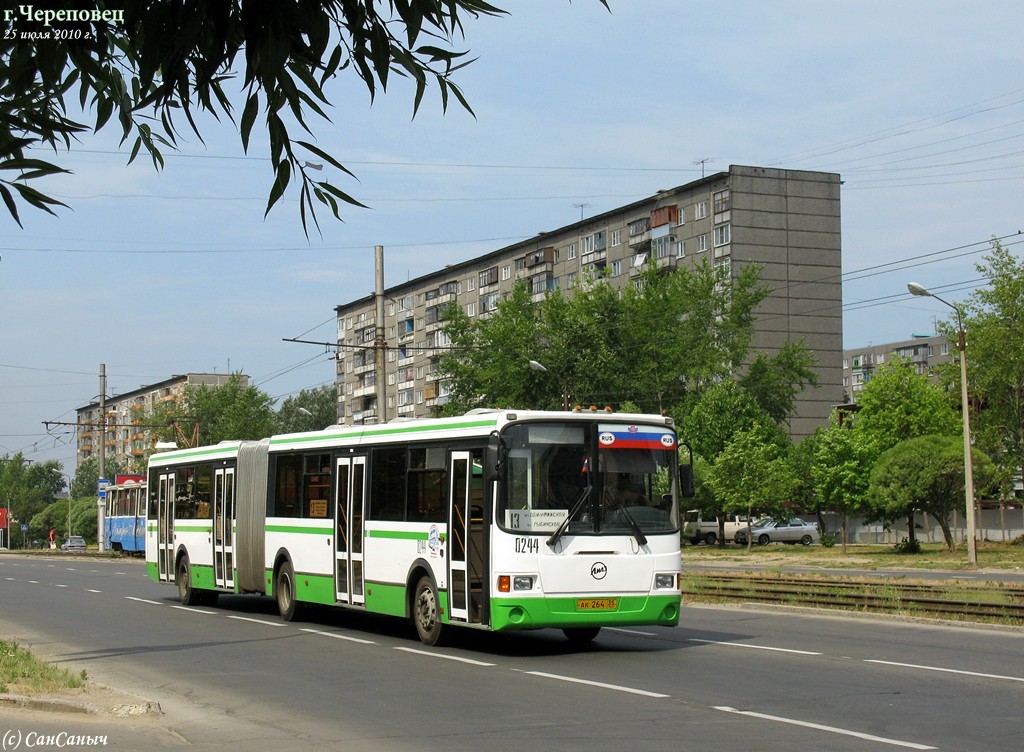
73,543
697,528
770,530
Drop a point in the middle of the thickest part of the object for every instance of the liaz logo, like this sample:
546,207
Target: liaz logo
598,570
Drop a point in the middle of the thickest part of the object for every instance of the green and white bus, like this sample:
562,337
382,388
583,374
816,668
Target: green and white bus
497,520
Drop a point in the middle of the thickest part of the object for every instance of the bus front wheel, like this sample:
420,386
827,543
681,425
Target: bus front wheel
426,614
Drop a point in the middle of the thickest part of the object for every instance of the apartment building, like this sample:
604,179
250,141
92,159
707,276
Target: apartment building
784,221
125,432
924,351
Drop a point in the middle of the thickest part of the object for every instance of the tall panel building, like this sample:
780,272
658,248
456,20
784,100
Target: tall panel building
786,222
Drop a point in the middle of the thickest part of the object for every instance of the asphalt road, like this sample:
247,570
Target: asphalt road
728,679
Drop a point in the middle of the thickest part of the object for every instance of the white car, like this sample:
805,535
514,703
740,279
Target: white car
769,530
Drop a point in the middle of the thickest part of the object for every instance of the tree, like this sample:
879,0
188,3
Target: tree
710,436
320,406
926,474
158,62
994,324
753,472
26,487
655,344
776,381
840,469
86,481
899,404
230,412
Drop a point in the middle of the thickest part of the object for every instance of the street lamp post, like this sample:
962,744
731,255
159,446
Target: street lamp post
972,551
537,366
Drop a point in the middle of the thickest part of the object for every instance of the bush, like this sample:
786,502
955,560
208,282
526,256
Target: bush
828,540
907,546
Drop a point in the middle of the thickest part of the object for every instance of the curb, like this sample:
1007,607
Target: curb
138,709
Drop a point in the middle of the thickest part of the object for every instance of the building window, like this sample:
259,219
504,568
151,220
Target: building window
722,201
471,309
489,277
722,235
616,237
702,243
682,215
572,251
617,268
488,302
700,210
471,284
506,272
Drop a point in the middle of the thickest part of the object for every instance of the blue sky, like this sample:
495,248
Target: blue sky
918,105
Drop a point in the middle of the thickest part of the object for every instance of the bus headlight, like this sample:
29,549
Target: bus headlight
665,581
522,582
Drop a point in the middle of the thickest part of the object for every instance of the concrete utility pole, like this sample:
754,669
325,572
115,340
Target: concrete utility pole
101,503
379,343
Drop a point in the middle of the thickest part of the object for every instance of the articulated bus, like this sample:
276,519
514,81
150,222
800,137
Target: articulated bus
496,520
124,524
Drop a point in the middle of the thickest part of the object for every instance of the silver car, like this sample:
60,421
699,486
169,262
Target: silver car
769,530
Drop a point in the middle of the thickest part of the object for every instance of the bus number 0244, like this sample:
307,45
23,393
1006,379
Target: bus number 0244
527,546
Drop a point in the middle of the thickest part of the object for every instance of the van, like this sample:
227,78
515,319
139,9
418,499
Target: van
697,528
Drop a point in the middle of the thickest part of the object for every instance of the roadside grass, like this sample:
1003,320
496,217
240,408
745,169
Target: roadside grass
22,673
1009,556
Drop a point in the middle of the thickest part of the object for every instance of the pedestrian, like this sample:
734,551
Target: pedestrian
53,538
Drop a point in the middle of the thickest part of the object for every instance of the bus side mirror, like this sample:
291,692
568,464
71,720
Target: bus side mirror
494,460
686,481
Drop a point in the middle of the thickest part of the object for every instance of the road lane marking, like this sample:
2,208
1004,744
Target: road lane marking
429,654
754,647
948,670
143,600
193,610
821,727
337,636
90,590
258,621
632,631
60,585
588,682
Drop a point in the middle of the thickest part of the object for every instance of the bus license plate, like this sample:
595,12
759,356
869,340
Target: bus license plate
597,604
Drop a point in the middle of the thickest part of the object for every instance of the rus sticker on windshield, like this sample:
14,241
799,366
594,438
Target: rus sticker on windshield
619,436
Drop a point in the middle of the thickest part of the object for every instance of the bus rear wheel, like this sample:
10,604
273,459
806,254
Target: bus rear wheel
187,594
581,635
284,592
425,613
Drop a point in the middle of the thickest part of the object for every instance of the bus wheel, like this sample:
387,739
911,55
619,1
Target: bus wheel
183,579
284,591
425,613
581,635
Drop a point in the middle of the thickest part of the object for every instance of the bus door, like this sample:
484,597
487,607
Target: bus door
465,536
349,503
165,526
223,527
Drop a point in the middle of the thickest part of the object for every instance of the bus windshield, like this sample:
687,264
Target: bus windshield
589,478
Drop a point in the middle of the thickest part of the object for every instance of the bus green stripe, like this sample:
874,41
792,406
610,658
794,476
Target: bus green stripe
296,529
398,534
389,431
194,528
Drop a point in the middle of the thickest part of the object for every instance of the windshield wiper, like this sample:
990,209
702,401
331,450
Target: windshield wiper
581,499
637,532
